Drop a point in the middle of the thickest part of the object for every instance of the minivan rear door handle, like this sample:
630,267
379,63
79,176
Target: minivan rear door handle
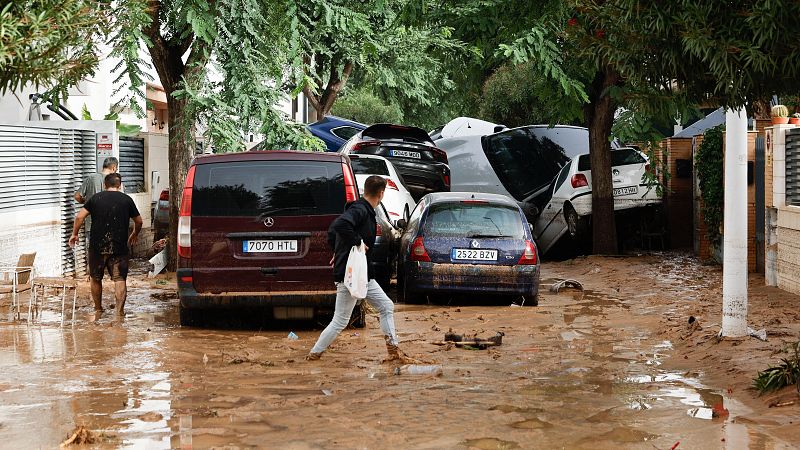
269,270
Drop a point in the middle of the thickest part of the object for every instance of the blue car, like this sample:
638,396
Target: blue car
335,131
467,243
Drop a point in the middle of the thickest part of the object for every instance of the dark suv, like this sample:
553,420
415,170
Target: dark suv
422,165
252,233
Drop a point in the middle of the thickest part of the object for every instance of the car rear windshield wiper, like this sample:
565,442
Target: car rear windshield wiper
288,208
489,235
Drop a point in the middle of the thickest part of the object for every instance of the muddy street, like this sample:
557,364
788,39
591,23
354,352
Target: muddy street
615,366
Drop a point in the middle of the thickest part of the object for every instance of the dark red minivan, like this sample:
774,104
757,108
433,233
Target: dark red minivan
253,230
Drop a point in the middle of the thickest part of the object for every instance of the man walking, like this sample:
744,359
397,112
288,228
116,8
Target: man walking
93,183
109,239
357,224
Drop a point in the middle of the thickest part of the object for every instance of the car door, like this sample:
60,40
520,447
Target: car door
551,224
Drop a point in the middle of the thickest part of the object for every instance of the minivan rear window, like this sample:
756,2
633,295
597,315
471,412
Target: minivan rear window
524,162
473,220
621,157
268,188
369,166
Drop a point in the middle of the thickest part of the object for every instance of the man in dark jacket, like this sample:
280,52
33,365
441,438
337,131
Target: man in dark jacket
355,225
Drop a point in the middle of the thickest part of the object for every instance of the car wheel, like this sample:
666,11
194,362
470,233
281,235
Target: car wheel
409,297
577,226
358,319
532,301
189,317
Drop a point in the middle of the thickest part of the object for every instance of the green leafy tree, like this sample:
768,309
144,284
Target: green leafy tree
50,44
123,129
363,106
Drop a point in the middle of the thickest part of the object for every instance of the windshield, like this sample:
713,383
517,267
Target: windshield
369,166
473,220
274,188
621,157
528,159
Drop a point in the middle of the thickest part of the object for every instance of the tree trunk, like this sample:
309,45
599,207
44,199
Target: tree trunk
323,103
599,116
181,150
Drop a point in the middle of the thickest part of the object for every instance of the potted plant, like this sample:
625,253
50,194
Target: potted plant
780,114
795,119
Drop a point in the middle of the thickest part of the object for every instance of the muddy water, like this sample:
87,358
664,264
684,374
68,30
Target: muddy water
582,370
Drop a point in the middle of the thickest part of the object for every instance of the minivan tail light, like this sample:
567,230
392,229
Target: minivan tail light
447,180
185,217
528,257
391,184
418,252
350,192
358,146
579,180
164,196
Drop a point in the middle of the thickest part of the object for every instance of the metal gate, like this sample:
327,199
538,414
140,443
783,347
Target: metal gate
793,167
131,164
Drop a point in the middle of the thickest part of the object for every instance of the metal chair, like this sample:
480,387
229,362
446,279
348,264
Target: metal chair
22,277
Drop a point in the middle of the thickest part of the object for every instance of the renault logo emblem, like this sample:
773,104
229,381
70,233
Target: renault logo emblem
476,244
269,221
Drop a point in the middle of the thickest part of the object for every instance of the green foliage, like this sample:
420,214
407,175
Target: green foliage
709,164
129,20
363,106
49,43
517,95
123,129
785,374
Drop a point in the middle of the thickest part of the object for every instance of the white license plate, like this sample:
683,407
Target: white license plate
626,190
469,254
405,154
270,246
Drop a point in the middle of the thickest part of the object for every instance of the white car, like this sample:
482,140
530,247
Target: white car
570,205
397,200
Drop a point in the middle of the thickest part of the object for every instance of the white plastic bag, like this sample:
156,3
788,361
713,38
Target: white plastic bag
355,274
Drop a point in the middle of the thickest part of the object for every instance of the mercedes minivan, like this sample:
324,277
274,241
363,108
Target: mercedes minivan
252,233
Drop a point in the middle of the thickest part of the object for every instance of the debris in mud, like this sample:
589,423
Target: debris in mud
781,404
80,436
760,334
691,327
419,369
151,417
164,296
560,284
471,343
246,358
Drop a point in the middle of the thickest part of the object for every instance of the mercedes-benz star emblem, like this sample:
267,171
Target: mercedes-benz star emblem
476,244
615,172
269,221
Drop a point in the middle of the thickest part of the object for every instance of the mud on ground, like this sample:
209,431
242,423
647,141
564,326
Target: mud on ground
617,366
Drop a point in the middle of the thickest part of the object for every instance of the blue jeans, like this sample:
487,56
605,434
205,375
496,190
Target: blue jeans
344,309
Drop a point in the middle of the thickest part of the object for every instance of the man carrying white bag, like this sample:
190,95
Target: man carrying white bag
352,235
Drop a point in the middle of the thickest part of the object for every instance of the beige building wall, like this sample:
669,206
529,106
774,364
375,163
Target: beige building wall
787,271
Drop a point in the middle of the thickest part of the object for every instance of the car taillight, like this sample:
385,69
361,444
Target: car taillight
378,230
529,255
579,180
439,155
647,168
358,146
447,180
418,252
185,217
350,192
391,184
164,196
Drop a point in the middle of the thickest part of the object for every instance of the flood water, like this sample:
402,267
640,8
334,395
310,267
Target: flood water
582,370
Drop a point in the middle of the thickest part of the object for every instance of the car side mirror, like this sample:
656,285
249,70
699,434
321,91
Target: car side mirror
401,224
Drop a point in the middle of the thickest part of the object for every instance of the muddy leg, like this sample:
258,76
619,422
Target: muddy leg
97,294
120,295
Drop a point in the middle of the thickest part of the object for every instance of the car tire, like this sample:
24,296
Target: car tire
409,297
189,317
532,301
577,226
358,319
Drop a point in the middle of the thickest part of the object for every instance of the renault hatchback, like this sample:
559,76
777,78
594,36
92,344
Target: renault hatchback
468,243
252,233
